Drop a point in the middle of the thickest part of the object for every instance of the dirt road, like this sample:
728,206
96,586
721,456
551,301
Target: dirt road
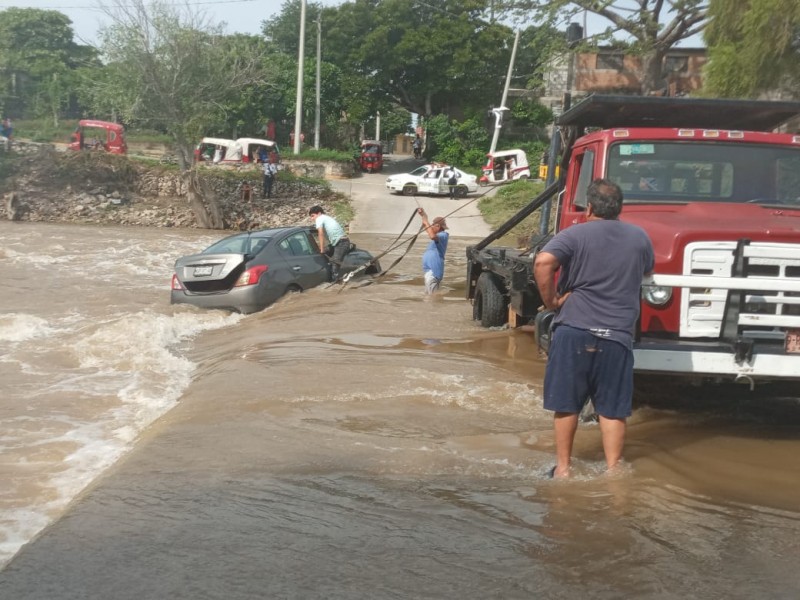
379,211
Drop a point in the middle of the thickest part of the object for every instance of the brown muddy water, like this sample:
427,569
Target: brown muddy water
356,443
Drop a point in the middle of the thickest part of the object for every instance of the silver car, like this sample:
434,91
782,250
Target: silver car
247,272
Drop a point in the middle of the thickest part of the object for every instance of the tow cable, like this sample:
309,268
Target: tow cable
395,244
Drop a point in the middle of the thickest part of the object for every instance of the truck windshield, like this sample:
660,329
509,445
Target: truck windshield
657,171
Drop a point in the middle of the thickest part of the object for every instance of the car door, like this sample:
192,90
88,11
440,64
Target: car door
307,267
429,184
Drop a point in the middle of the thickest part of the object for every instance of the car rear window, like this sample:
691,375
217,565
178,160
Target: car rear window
238,244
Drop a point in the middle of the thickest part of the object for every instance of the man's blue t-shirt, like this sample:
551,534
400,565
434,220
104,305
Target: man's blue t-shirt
433,259
602,264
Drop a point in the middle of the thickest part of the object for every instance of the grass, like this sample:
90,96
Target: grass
507,202
320,155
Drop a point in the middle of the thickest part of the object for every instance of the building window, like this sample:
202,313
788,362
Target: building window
676,64
610,61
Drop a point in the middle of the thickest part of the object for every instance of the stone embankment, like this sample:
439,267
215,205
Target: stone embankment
96,188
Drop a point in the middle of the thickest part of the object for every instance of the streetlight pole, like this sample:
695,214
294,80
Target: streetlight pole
319,79
298,116
498,112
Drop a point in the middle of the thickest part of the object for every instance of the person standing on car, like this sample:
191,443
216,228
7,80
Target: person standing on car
451,176
338,244
270,171
601,262
433,258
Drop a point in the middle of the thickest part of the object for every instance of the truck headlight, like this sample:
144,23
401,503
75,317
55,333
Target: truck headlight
656,295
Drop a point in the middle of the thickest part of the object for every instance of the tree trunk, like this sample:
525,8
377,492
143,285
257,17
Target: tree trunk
203,202
653,80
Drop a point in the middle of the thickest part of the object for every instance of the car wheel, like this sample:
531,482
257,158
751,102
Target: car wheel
409,190
489,306
523,177
293,289
462,191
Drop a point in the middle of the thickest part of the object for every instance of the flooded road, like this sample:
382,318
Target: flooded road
357,443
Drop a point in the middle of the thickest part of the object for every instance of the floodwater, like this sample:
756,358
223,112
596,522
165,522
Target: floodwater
363,442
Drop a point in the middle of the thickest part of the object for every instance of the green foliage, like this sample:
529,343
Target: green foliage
462,144
38,62
320,155
754,46
508,201
170,70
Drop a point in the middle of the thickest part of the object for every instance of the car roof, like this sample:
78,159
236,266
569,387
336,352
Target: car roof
273,231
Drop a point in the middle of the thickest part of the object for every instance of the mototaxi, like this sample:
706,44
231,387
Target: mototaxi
104,135
371,158
504,166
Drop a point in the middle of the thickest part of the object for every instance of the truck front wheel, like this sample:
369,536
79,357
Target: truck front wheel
489,306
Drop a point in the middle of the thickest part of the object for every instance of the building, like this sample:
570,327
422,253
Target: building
611,71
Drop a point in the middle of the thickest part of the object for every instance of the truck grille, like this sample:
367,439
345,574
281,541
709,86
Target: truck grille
702,309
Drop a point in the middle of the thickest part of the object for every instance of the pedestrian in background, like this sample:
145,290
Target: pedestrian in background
451,176
597,300
433,257
332,240
270,171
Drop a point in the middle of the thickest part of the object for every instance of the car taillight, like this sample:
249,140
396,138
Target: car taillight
176,283
251,275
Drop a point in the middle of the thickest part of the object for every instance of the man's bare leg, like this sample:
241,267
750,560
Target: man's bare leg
613,432
565,425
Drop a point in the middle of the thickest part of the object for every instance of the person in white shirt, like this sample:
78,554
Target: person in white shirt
338,244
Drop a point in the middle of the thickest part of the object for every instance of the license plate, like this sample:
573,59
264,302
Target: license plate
793,341
203,271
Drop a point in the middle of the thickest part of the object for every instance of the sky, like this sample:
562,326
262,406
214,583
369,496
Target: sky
241,16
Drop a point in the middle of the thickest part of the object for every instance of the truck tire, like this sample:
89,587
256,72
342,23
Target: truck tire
489,306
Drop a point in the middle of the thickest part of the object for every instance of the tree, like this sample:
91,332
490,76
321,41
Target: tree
440,56
170,69
754,47
38,60
641,20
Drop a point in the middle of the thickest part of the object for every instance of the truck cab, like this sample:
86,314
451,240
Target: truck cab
718,193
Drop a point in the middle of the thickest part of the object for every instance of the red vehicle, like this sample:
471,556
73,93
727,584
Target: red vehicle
99,135
371,159
717,192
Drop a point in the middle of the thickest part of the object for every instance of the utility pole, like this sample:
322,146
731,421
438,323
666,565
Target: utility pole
378,127
319,79
498,112
298,116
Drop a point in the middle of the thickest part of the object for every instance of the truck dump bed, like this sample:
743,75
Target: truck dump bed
606,112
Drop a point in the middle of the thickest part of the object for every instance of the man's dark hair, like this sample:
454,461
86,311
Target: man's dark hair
605,198
316,210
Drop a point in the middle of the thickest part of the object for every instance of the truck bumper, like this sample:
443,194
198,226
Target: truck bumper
768,362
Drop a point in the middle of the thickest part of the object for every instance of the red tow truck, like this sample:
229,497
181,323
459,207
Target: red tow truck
717,191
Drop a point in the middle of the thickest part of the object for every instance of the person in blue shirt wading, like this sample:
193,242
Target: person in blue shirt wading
433,258
338,243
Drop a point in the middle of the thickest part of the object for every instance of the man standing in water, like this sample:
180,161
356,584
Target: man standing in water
602,263
339,244
433,258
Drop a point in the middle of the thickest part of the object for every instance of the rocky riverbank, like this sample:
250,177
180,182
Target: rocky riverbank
41,184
